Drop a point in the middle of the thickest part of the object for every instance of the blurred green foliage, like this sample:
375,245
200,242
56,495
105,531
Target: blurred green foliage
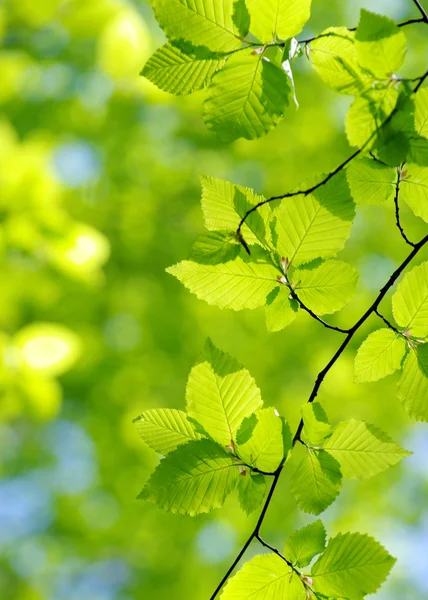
99,193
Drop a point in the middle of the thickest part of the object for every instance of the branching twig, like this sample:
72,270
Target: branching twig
421,80
373,309
422,11
397,210
319,380
304,192
277,552
402,24
303,306
326,179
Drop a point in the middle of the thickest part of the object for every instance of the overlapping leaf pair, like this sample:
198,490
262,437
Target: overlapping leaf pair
226,440
382,117
234,47
353,449
385,351
350,566
241,50
302,228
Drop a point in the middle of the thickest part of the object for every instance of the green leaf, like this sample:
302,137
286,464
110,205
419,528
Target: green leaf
214,248
334,56
371,182
363,450
379,355
352,566
264,577
316,427
401,140
305,543
421,112
265,448
246,429
165,429
408,129
413,385
193,479
220,393
178,73
410,301
368,114
380,44
247,97
241,17
281,310
316,482
317,225
278,18
207,23
251,491
224,204
235,284
414,190
327,288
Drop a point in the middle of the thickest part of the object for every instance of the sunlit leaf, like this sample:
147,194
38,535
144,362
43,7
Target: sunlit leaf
410,301
363,450
215,247
371,182
206,23
235,284
265,448
316,482
264,577
368,114
281,18
281,310
305,543
334,57
195,478
380,44
251,491
327,288
246,98
220,393
164,429
317,225
224,204
352,566
379,355
413,385
316,427
174,71
414,189
421,112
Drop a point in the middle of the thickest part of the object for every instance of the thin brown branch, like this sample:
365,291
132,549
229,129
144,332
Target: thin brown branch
277,552
303,306
387,323
402,24
397,210
421,80
304,192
